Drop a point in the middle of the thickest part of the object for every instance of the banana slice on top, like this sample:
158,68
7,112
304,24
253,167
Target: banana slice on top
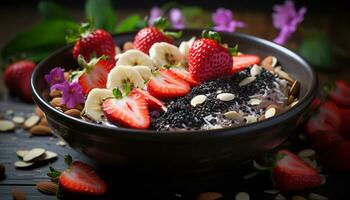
185,46
163,53
122,74
144,71
134,57
93,103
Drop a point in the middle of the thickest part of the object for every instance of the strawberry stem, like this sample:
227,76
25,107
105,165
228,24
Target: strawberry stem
161,23
175,35
211,35
53,173
117,93
68,160
83,31
93,61
234,50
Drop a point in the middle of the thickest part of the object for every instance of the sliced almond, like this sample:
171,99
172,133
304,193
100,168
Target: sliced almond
254,102
298,198
40,130
271,191
21,153
233,115
250,119
128,45
269,63
270,113
197,100
73,112
6,125
225,96
306,153
209,196
255,70
48,155
314,196
31,121
67,75
18,194
294,90
55,93
22,164
247,80
18,119
56,102
284,75
43,122
291,99
32,154
280,197
294,103
242,196
39,112
47,187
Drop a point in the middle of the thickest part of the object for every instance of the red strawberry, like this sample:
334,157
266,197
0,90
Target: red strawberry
244,60
131,111
337,156
185,75
208,59
166,85
91,42
78,178
146,37
322,140
152,102
291,173
341,94
345,123
327,118
95,74
17,78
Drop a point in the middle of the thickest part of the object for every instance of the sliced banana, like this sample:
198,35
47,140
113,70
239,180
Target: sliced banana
93,104
120,75
134,57
185,46
144,71
163,53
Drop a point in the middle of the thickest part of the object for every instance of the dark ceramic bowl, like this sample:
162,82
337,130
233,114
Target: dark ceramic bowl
179,152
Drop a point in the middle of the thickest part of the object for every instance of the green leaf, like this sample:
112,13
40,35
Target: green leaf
38,41
129,24
51,10
317,50
68,160
102,13
234,50
53,173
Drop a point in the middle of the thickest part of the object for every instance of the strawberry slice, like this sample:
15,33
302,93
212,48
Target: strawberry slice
130,111
322,140
244,60
326,118
166,85
185,75
152,102
78,178
291,173
341,94
95,73
345,123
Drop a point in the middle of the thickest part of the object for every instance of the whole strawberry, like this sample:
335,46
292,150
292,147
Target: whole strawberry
89,41
17,78
146,37
208,58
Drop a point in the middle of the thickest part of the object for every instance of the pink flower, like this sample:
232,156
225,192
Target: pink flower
72,93
286,18
223,21
55,76
155,13
176,18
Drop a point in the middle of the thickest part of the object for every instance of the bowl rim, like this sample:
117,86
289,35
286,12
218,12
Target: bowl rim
199,134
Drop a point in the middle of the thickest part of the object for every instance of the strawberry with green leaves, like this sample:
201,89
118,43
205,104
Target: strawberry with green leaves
208,59
78,178
147,36
128,110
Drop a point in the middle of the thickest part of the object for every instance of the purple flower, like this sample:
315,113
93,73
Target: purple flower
72,93
176,18
155,13
286,18
223,21
55,76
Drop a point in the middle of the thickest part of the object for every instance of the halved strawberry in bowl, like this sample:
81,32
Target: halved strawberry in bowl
152,102
185,75
95,73
128,110
340,94
243,61
167,85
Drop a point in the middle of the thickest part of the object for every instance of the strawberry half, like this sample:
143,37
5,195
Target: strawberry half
89,41
208,59
341,93
185,75
337,156
243,61
79,178
146,37
152,102
95,73
291,173
131,111
166,85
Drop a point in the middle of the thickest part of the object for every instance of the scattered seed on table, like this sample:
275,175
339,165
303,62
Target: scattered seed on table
31,121
47,187
314,196
21,153
6,125
209,196
32,154
18,119
242,196
22,164
18,194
